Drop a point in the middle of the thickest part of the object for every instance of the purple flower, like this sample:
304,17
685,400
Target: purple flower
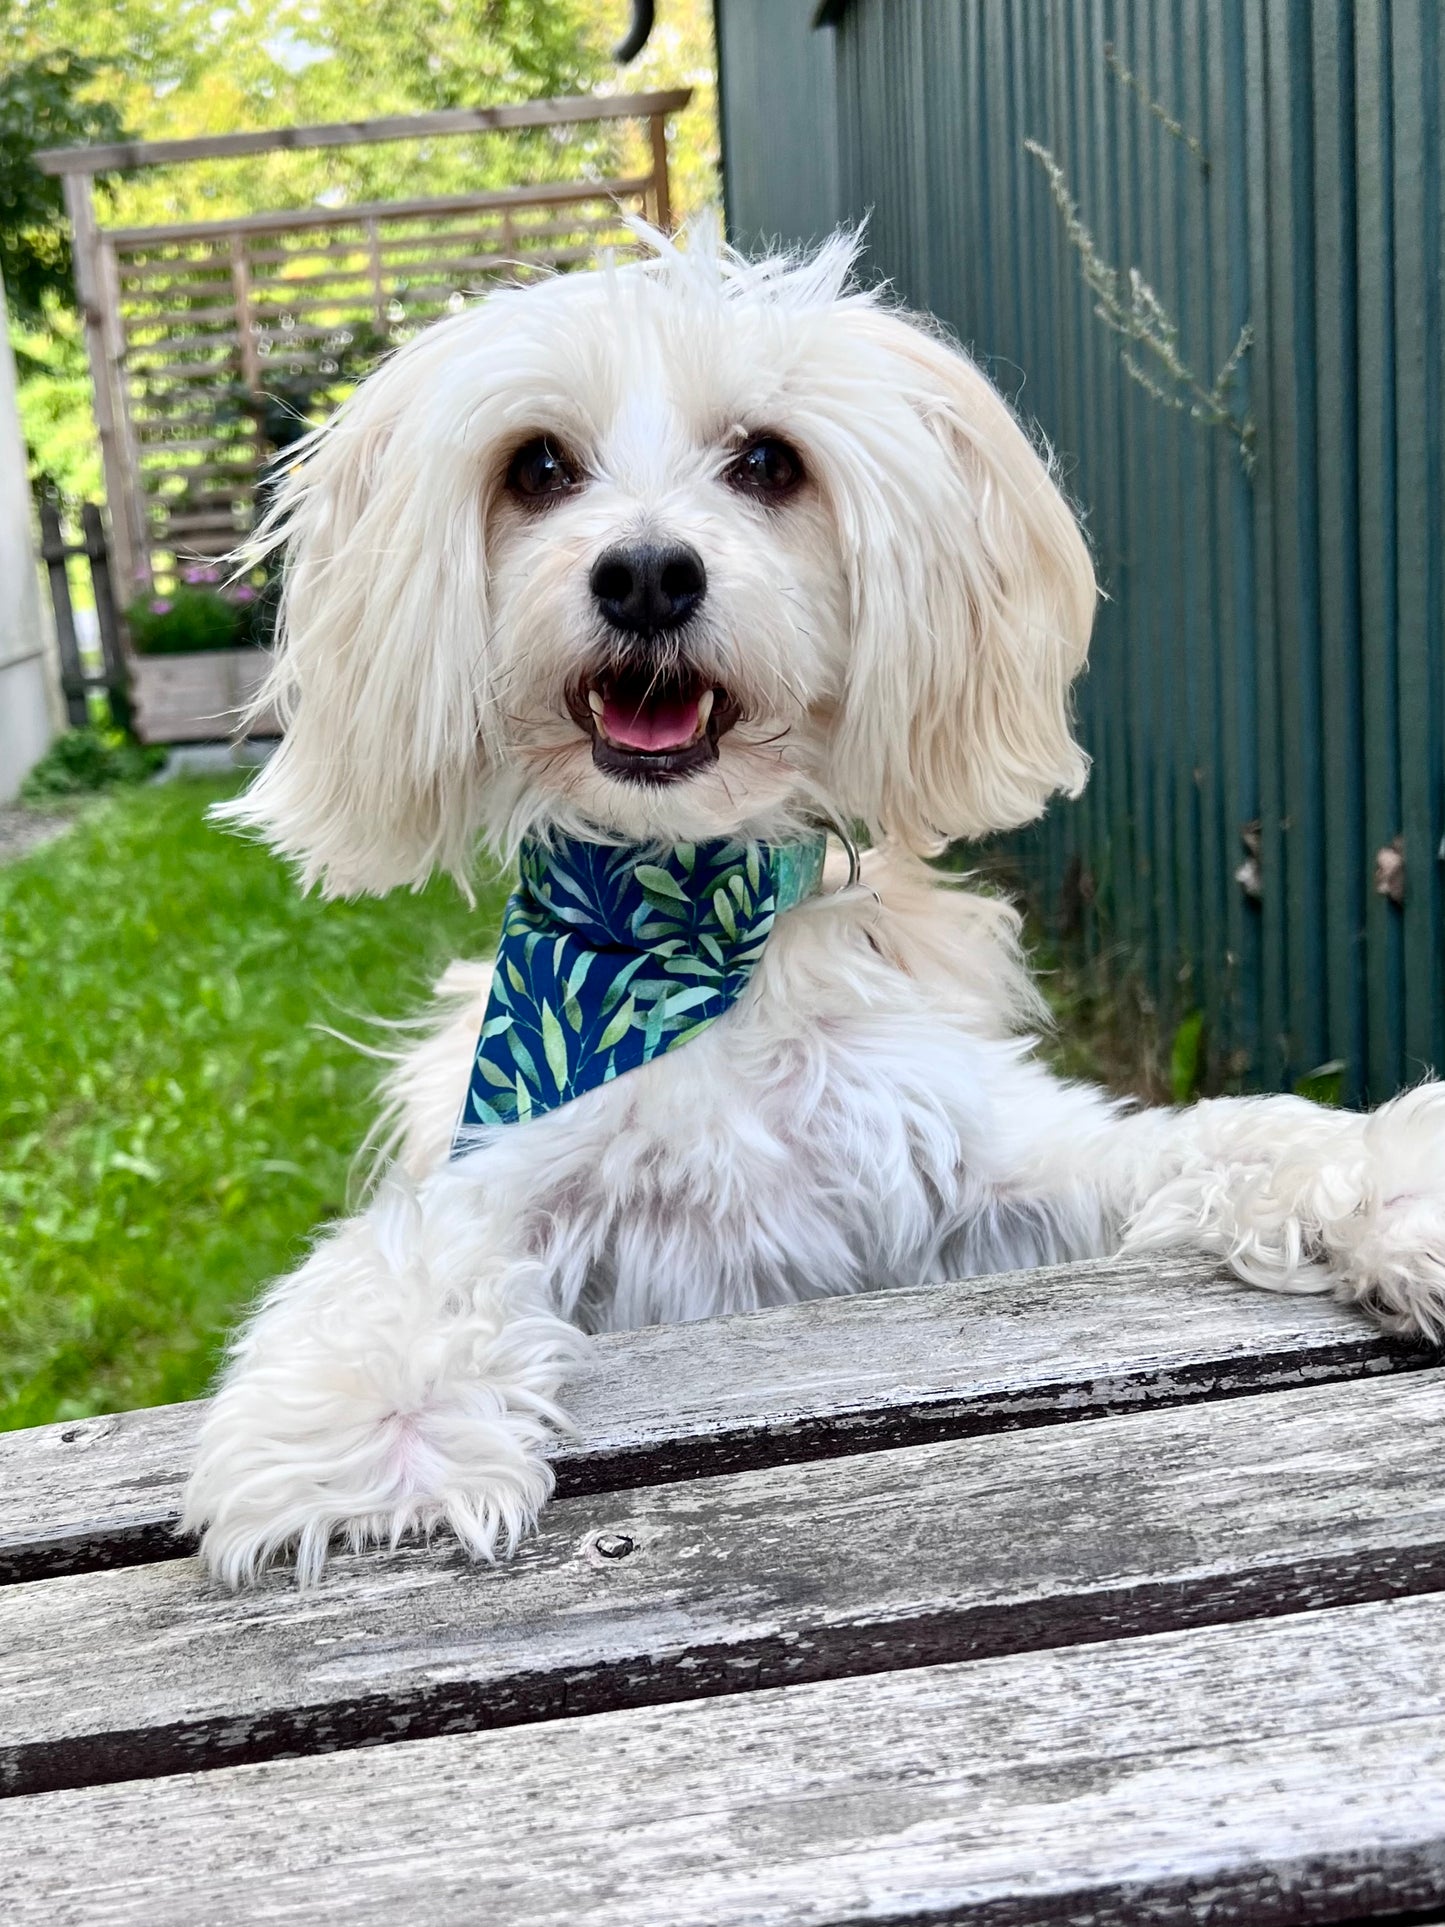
161,606
243,592
201,574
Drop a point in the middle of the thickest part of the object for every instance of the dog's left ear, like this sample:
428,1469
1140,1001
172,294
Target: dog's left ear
972,601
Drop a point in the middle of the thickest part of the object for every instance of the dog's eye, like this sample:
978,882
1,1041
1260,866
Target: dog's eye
769,468
542,469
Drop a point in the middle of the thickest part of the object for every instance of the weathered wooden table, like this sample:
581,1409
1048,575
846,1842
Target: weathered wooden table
1112,1593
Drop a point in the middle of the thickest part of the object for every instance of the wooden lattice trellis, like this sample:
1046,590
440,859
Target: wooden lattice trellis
197,333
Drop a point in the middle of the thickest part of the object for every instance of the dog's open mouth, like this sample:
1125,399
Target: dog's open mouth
651,725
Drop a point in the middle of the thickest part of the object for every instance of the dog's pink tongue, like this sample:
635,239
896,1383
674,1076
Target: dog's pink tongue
662,722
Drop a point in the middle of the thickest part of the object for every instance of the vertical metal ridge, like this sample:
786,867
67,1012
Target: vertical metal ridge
1346,870
1413,58
1273,644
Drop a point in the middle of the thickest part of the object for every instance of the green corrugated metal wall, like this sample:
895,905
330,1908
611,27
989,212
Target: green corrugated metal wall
1271,652
779,92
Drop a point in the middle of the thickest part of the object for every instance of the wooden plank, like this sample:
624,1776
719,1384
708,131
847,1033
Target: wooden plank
433,249
137,323
127,511
208,513
838,1375
162,443
182,268
661,196
114,673
378,284
213,340
241,315
345,248
55,553
201,547
564,111
173,372
566,193
353,305
1283,1771
91,297
880,1561
197,698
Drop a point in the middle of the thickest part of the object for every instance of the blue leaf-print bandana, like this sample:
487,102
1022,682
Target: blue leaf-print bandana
609,957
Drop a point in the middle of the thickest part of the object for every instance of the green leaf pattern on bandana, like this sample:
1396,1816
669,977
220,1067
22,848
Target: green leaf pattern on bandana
611,956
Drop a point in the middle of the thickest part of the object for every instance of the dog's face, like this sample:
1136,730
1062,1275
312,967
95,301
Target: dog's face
667,590
670,551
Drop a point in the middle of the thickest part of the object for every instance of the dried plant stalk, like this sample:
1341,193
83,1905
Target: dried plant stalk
1127,305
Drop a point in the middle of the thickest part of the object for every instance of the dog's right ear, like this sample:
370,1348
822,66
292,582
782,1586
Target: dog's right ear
380,673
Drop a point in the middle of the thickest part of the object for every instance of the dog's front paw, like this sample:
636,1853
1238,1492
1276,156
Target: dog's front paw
260,1492
1389,1253
1298,1198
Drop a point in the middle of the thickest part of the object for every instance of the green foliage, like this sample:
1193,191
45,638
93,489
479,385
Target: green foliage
1325,1084
173,1120
85,760
54,397
183,621
1186,1058
205,611
47,99
174,68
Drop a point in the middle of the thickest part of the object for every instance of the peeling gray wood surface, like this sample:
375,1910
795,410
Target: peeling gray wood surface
1282,1771
833,1376
1201,1514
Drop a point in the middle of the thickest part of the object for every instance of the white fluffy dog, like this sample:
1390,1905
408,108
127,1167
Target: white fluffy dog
849,594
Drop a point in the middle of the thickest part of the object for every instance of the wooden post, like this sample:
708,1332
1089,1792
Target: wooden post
112,655
132,507
378,286
80,206
661,196
72,671
245,315
241,295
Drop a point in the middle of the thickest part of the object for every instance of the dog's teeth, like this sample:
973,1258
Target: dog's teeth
594,702
704,710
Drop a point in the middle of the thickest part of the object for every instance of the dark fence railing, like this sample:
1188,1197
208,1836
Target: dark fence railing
1199,242
77,679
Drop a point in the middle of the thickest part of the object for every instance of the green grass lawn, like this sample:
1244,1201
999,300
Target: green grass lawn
173,1124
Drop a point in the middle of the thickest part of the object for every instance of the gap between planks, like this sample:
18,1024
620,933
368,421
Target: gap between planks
1274,1772
833,1376
1064,1536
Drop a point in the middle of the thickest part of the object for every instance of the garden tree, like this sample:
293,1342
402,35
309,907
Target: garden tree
53,393
174,68
44,102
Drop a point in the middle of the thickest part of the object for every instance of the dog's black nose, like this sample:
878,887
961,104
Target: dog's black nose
648,587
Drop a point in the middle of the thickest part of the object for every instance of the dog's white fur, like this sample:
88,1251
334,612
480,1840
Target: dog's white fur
902,635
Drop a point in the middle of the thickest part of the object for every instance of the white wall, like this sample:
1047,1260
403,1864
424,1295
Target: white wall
27,714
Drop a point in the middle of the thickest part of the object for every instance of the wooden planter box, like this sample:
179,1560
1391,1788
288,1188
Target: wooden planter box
197,698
